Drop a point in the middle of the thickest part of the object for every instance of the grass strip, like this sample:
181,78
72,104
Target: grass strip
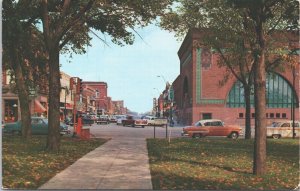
221,164
26,164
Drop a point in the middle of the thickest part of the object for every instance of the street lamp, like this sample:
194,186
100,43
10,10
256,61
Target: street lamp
66,93
161,76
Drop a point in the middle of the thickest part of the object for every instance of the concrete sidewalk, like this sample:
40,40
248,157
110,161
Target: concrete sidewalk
118,164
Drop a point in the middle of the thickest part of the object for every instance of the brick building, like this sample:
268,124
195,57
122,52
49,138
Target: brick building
101,99
198,94
10,101
66,96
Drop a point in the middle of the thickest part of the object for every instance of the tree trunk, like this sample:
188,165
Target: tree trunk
22,91
53,140
260,155
247,90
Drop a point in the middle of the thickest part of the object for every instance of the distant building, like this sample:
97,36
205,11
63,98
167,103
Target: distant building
101,98
198,94
66,96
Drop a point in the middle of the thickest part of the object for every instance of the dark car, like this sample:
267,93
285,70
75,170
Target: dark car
39,126
102,119
87,120
69,121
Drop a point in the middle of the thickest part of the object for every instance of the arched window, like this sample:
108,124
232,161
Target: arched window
279,93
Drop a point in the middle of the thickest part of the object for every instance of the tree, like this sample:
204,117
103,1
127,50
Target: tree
67,25
267,17
226,36
22,54
253,25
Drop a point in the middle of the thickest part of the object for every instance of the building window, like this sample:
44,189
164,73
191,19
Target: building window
241,115
206,115
271,115
267,115
253,115
283,115
279,93
277,115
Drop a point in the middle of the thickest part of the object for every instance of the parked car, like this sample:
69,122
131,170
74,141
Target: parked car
154,121
212,127
283,129
150,119
120,118
103,119
68,121
134,121
39,126
112,119
87,120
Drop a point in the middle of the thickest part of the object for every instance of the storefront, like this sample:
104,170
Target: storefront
11,110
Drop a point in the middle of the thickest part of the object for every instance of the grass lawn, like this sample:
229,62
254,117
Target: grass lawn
211,163
27,166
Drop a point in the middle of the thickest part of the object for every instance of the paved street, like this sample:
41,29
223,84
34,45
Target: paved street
121,163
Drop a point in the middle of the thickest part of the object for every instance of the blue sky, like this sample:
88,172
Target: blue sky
130,71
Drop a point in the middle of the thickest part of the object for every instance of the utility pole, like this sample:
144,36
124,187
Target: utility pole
293,99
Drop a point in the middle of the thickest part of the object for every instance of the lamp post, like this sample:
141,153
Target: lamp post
66,93
157,107
161,76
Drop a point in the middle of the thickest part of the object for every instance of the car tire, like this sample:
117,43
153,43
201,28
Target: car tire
133,125
197,135
276,136
123,124
234,135
143,126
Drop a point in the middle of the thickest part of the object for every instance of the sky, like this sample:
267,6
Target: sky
130,71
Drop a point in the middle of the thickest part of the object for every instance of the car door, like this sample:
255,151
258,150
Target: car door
286,130
211,129
217,129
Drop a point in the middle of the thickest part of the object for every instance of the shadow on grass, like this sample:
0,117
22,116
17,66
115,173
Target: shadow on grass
171,181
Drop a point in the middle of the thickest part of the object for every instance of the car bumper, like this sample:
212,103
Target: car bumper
67,132
184,134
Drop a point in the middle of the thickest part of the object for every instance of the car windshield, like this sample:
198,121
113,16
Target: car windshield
45,121
198,124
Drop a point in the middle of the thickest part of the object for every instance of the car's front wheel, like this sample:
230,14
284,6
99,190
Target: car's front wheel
234,135
276,136
197,135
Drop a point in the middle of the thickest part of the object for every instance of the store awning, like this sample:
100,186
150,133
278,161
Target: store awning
69,106
38,107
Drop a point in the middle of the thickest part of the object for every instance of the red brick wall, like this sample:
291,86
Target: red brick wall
211,89
102,102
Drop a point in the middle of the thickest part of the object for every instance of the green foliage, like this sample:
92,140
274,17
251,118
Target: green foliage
21,36
221,164
26,165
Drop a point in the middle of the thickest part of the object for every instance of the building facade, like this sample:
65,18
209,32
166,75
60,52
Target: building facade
66,96
199,95
101,98
10,101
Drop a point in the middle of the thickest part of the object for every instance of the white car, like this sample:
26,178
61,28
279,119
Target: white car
120,118
150,119
283,129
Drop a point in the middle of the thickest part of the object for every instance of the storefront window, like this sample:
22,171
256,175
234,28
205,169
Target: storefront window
10,111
